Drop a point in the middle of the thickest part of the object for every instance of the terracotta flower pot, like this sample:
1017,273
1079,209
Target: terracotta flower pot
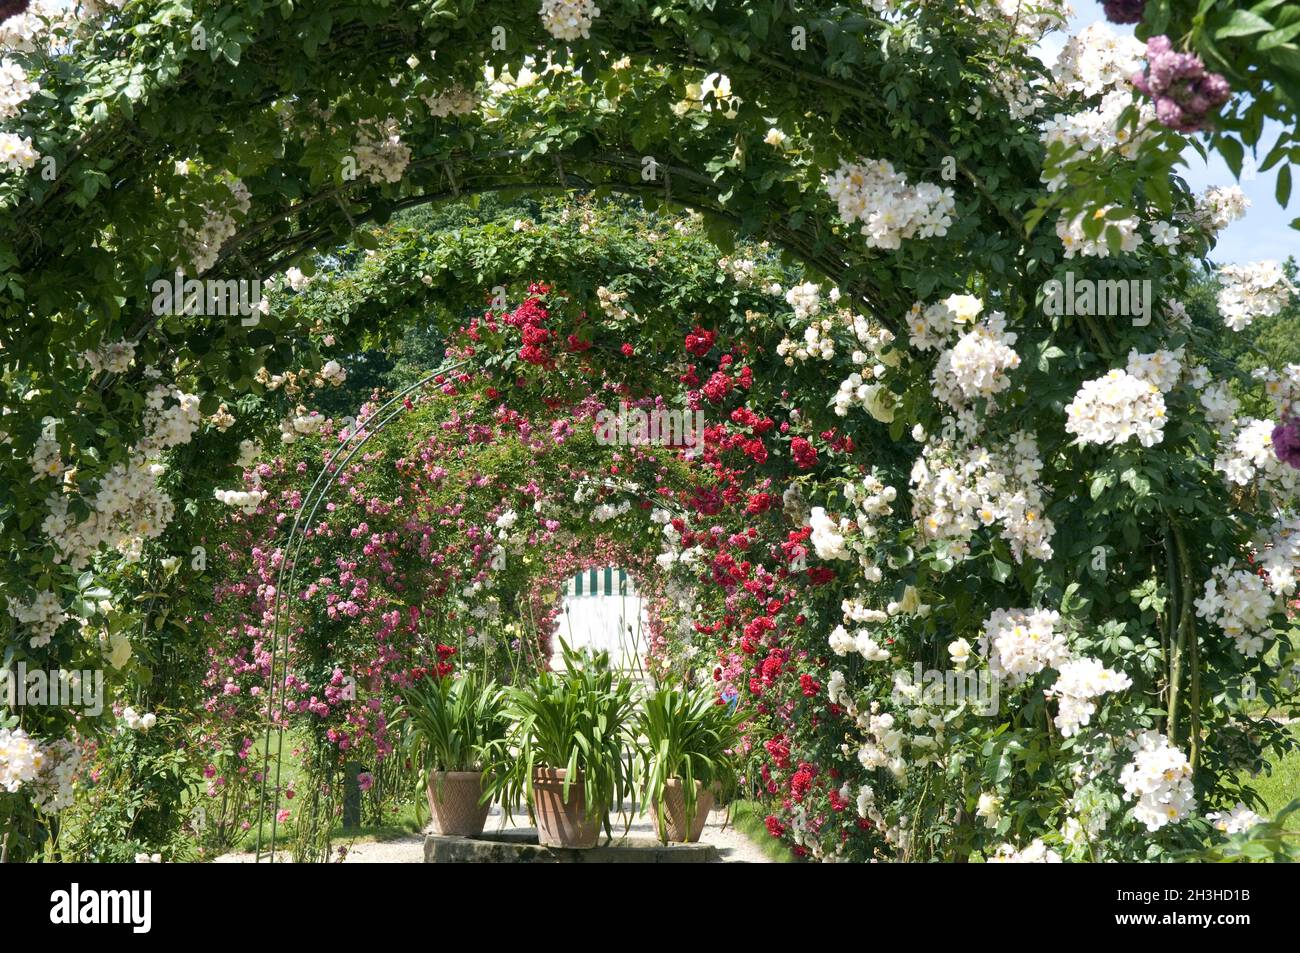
562,823
675,812
454,802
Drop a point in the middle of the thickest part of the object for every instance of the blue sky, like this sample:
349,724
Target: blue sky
1264,232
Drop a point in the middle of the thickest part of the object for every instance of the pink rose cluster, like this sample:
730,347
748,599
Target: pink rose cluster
1184,93
1286,441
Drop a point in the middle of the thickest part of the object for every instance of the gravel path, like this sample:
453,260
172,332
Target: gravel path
734,846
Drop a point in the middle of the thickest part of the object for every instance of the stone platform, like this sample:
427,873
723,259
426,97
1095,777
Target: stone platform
519,846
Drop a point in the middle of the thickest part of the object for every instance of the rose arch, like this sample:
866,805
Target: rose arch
921,468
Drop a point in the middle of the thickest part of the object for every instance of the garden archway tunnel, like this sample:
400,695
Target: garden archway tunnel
258,138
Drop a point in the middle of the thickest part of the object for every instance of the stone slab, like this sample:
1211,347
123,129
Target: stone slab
519,846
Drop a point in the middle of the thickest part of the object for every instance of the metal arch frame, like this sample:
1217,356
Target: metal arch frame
286,579
292,548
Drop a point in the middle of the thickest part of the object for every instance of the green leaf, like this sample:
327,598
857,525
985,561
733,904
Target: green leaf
1278,37
1233,153
1049,354
1283,188
1242,23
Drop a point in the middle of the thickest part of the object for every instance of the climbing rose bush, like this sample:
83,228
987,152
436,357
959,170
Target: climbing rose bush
910,465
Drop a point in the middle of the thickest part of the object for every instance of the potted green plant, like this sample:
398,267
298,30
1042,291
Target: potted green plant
688,740
572,762
455,730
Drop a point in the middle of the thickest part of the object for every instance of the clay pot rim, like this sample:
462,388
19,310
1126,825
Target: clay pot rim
676,781
554,774
457,775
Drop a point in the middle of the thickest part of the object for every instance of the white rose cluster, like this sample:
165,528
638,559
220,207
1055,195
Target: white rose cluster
52,790
249,451
863,389
1254,290
21,31
247,501
1024,18
890,210
569,19
295,279
457,101
380,153
805,299
43,614
1277,552
114,357
1220,407
837,688
1219,206
1239,819
977,365
333,373
1249,459
1241,601
958,489
1159,779
1096,60
47,457
611,303
826,330
171,418
128,506
872,500
135,721
16,152
301,423
883,747
828,534
21,759
1036,853
15,88
874,398
1077,242
743,271
842,642
605,512
1161,368
1281,387
931,328
1116,408
218,226
1022,96
1080,681
1098,130
1019,643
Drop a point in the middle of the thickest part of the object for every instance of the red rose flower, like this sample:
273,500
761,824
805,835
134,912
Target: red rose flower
699,342
804,453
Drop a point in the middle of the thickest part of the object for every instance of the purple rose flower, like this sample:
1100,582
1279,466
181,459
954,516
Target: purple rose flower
1124,11
1184,93
12,9
1286,442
